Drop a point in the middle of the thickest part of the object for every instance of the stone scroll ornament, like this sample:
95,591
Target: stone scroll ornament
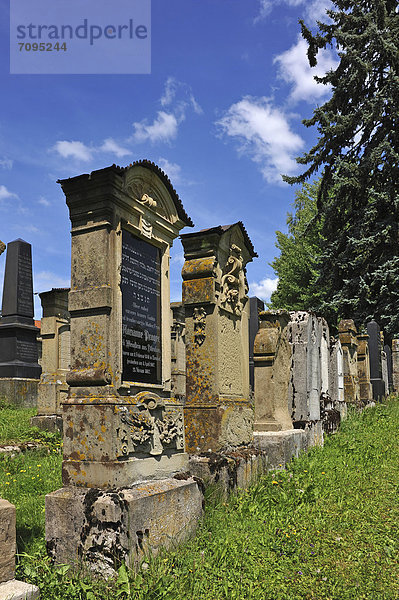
149,427
199,318
234,285
2,247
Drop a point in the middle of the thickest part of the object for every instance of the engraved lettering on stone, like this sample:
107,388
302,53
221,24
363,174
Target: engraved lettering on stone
199,318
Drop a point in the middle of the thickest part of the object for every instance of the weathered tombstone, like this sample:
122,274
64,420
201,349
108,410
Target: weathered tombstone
348,338
123,432
336,377
384,369
273,363
10,588
178,356
19,368
305,337
218,411
376,379
388,353
395,365
255,307
55,335
363,369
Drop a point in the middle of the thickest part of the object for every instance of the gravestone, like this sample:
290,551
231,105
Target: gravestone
255,307
388,353
123,430
348,338
395,365
305,337
375,348
55,336
19,368
218,411
273,363
363,369
178,356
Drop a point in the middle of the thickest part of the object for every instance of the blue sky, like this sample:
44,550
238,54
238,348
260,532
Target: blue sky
220,113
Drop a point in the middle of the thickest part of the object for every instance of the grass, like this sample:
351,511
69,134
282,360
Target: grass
325,528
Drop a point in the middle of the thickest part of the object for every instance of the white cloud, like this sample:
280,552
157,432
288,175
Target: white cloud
74,149
162,129
5,193
172,170
262,132
113,147
182,93
42,200
294,69
6,163
264,288
313,10
45,280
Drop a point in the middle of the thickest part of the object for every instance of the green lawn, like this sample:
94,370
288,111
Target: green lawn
325,528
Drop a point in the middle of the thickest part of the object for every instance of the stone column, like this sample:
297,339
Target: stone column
19,368
121,425
376,379
363,369
178,356
273,363
218,412
55,334
348,338
395,365
255,307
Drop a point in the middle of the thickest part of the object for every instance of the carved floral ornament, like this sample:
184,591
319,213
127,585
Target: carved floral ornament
234,286
147,194
149,427
199,318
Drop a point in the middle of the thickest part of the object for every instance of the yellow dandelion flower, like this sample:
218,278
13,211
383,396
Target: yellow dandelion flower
275,482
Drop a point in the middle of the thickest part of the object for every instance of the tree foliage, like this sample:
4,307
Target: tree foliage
358,152
300,250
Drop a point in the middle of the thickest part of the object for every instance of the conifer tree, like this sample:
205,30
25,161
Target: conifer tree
358,153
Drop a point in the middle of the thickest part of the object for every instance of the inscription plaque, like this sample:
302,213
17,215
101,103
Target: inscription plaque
141,310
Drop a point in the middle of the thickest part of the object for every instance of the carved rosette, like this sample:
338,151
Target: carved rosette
234,286
199,318
150,427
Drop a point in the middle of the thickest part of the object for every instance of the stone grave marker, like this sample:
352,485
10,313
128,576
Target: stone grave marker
363,369
395,365
255,307
19,368
123,430
218,411
376,379
388,353
348,338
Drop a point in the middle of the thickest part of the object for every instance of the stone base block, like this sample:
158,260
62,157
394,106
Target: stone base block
271,425
47,422
7,540
19,392
378,386
98,530
281,446
18,590
230,470
212,429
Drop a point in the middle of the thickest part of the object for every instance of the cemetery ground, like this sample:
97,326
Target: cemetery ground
326,527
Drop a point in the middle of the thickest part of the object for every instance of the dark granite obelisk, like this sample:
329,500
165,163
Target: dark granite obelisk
18,345
378,385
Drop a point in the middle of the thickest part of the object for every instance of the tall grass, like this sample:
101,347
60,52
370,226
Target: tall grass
325,528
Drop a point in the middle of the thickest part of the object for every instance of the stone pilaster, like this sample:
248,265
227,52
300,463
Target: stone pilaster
178,356
348,338
218,412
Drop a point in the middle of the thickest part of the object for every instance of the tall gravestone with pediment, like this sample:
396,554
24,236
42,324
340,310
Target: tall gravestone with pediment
19,368
375,348
218,412
123,431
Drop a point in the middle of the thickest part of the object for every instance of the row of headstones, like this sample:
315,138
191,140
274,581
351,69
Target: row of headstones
123,425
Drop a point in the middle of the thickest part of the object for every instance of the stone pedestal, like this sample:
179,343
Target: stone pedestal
363,369
218,412
348,338
11,589
55,334
273,364
121,425
375,349
18,343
